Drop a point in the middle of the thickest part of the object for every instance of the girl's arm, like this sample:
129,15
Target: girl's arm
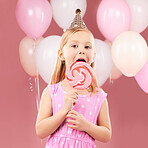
46,124
102,131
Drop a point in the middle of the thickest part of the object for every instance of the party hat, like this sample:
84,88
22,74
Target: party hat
78,21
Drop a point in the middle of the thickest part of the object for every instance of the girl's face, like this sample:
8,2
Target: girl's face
79,47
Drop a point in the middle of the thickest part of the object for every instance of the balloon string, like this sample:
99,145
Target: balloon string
34,43
35,79
110,80
37,90
38,86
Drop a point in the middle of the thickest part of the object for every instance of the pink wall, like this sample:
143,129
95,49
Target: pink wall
127,102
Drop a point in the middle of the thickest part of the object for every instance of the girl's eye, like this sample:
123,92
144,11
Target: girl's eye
74,46
87,47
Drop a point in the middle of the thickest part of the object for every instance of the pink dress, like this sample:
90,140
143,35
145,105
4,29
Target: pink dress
89,106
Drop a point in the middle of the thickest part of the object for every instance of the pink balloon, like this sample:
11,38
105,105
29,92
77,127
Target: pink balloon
27,49
33,16
113,17
142,77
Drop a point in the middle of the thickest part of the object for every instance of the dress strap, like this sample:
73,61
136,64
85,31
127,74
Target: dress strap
53,89
101,96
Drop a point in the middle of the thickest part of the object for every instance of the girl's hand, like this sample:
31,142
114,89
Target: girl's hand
77,121
70,99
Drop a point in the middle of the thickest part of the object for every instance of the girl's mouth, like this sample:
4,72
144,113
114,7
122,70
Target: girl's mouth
82,60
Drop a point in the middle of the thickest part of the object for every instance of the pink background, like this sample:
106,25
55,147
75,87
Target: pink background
127,102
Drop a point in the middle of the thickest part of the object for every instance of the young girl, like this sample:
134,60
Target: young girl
73,118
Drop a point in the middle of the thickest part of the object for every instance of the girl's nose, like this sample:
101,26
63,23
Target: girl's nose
81,52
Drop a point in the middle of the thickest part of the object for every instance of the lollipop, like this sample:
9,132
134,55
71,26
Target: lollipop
79,75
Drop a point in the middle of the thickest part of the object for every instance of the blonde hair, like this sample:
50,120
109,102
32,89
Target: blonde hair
59,70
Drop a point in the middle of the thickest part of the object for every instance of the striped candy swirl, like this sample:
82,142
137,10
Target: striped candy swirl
79,75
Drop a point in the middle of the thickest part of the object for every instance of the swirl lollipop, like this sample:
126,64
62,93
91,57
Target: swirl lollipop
79,75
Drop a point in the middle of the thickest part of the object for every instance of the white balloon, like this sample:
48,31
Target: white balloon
103,61
64,11
46,55
139,10
129,52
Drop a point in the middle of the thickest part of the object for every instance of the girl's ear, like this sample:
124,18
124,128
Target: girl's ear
61,56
